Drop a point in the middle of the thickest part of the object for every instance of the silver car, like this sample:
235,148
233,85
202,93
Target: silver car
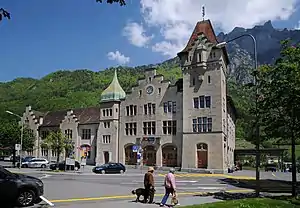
38,163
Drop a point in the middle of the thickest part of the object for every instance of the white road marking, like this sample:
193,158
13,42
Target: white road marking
129,183
186,181
47,201
44,176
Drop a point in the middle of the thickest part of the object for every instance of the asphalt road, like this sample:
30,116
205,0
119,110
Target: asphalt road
90,190
93,190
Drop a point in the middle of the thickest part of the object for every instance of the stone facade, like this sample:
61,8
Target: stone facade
187,124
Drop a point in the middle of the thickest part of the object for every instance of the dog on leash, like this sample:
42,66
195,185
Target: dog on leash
139,192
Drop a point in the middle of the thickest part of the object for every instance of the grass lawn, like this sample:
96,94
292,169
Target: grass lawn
248,203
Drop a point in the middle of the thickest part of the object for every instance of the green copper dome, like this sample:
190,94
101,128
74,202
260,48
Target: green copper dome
114,92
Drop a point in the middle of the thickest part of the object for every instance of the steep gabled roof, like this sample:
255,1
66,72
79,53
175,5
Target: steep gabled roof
202,27
87,115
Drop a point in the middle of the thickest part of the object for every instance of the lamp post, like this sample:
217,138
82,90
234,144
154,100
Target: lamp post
257,147
22,132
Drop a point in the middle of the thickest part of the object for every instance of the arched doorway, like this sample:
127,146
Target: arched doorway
130,156
149,155
202,155
169,155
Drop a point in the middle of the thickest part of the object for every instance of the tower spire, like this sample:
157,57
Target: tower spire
203,12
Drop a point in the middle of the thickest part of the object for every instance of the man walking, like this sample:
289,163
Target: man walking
170,187
149,185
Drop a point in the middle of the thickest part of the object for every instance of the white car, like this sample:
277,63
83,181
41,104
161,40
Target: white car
38,163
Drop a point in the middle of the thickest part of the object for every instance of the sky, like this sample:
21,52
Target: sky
46,36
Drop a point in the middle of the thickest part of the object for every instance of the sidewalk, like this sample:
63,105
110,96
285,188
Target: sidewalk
184,201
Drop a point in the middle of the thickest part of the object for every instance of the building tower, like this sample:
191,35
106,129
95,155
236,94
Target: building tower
204,100
108,131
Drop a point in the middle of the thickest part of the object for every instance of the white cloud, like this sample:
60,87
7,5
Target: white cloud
176,19
298,26
136,34
118,57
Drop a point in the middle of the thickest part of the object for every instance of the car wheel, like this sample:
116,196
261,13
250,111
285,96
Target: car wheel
121,171
102,171
24,166
25,198
43,166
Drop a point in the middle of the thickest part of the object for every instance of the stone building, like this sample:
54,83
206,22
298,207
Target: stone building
188,124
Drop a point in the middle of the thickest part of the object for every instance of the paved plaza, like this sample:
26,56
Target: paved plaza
89,190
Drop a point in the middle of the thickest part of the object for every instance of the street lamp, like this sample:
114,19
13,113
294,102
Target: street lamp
223,44
22,127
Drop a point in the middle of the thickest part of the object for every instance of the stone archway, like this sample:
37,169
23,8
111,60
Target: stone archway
149,155
169,155
202,155
130,156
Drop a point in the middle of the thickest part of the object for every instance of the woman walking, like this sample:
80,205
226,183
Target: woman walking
170,187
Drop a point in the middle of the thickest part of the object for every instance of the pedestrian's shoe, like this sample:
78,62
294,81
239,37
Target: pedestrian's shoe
161,205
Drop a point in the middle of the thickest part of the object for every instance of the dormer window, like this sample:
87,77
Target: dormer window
199,57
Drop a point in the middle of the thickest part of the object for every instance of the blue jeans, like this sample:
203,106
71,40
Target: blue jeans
168,191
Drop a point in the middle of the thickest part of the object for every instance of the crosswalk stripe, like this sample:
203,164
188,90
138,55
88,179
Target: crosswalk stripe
191,175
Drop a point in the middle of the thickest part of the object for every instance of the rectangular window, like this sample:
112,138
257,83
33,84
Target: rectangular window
153,108
169,106
149,128
127,110
209,124
44,152
140,93
130,129
68,133
106,139
131,110
159,90
110,112
45,134
174,107
145,109
207,101
169,127
134,110
103,112
196,102
194,125
202,124
208,79
86,134
149,108
53,153
165,107
201,98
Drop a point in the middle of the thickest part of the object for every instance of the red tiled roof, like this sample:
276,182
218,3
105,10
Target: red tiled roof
205,28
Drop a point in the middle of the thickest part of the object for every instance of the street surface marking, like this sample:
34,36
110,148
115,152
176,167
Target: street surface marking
44,176
274,175
212,175
133,196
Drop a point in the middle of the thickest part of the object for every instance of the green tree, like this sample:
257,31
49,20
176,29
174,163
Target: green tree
58,142
10,134
279,101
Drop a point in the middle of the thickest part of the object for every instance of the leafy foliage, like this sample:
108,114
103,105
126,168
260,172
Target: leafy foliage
58,142
10,134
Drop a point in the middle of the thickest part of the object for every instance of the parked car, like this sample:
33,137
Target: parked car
271,167
110,168
61,166
25,162
19,190
38,163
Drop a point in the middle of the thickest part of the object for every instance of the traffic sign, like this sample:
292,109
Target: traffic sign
135,148
18,147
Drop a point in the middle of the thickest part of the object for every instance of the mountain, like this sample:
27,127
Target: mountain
268,48
82,88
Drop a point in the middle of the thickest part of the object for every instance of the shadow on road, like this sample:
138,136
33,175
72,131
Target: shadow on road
266,185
